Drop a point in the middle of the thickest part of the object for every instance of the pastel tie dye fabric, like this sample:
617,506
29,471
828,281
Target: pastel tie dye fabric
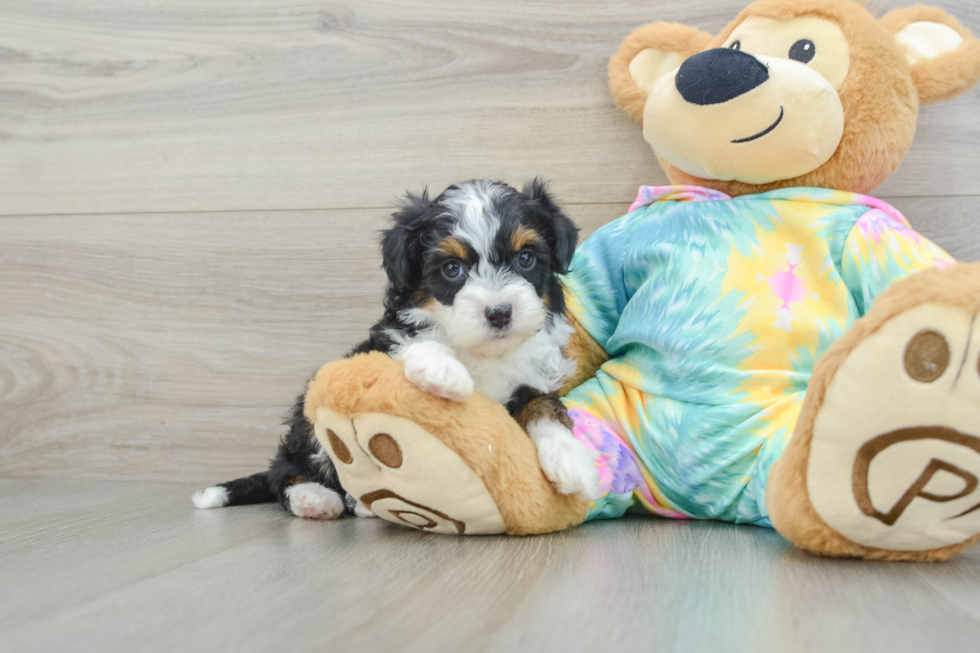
714,311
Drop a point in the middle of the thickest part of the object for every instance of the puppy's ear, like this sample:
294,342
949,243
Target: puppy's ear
561,233
401,244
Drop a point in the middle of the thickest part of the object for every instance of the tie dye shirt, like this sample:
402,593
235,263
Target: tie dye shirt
714,311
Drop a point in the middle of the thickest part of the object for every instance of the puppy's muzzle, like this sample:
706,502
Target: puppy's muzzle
499,316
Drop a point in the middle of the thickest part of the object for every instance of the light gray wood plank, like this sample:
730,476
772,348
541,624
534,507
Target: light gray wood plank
170,347
154,105
128,566
952,223
66,543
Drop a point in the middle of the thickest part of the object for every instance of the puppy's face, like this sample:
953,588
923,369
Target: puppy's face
481,262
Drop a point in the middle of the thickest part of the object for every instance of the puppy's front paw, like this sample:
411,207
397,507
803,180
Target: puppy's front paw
565,461
433,368
314,501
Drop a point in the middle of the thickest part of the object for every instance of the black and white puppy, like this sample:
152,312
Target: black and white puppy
474,302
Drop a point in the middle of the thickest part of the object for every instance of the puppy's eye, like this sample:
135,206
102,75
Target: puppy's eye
736,45
452,270
803,51
526,259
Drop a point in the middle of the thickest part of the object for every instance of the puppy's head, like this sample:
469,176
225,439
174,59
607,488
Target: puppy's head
480,262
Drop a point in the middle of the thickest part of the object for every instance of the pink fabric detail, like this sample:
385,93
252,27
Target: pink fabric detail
619,469
787,286
650,194
884,207
876,222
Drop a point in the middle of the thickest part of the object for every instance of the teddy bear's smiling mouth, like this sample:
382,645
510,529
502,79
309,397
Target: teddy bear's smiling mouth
764,131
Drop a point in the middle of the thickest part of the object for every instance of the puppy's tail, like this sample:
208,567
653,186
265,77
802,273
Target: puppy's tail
241,491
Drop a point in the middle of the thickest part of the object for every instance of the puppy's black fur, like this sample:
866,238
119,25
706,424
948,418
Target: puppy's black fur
414,265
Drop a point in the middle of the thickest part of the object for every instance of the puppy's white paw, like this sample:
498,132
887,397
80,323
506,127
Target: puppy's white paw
565,461
313,501
433,368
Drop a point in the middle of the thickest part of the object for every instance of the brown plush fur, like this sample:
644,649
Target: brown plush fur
949,74
878,126
667,37
374,383
786,496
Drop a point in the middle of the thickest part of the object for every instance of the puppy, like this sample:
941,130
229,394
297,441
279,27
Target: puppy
474,302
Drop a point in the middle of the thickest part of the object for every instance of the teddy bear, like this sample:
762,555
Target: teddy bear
765,343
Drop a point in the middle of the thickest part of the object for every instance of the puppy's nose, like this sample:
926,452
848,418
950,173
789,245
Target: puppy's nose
719,75
498,316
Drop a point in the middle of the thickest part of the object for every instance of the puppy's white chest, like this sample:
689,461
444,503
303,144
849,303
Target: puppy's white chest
493,378
539,364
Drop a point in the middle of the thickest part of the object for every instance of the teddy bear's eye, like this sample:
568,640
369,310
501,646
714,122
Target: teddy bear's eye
736,45
803,51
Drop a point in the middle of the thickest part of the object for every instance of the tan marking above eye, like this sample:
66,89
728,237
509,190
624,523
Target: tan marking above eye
385,449
927,356
453,247
522,237
339,448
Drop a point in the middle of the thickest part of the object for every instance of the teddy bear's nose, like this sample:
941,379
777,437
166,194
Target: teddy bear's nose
719,75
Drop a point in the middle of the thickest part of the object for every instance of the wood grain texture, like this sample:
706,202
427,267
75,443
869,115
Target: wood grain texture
170,347
87,566
198,105
189,195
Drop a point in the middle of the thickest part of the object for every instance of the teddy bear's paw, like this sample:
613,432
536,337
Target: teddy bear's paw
567,463
894,460
401,473
314,501
432,367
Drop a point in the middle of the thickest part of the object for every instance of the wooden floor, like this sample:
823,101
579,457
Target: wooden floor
99,566
189,196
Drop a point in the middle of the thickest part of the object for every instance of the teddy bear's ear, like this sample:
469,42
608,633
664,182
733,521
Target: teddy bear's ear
648,53
944,55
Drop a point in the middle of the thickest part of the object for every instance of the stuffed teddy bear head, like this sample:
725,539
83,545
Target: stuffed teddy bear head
791,93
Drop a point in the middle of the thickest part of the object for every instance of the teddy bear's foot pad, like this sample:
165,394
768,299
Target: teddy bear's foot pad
405,475
895,453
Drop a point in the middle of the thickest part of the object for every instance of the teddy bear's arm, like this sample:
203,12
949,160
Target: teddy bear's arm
596,289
